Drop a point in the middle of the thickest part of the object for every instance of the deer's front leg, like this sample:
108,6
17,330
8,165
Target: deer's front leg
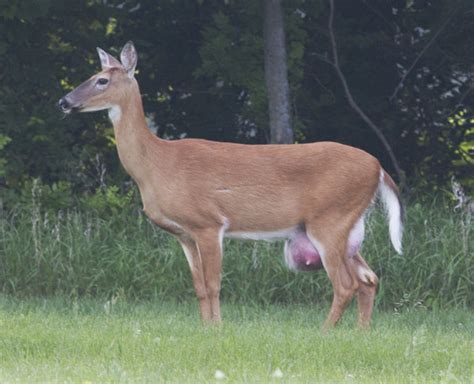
209,244
195,264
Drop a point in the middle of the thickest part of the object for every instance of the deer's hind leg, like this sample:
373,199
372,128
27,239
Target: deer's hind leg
367,281
350,276
337,265
344,285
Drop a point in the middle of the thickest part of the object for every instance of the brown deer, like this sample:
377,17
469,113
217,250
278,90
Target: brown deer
313,195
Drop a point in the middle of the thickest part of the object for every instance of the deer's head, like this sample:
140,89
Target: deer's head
105,89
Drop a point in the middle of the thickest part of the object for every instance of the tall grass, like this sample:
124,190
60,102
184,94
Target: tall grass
81,253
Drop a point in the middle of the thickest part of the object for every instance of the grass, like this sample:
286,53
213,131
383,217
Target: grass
54,327
78,253
96,341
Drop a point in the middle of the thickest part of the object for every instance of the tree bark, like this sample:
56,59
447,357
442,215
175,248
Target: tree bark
276,73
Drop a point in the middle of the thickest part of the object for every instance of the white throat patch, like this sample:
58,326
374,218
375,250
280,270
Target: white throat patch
115,113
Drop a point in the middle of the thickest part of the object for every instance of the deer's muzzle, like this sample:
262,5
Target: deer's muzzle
64,105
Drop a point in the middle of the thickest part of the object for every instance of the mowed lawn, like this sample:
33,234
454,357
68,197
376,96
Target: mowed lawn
94,341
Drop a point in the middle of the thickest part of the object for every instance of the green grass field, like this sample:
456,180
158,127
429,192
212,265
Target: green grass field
94,341
55,266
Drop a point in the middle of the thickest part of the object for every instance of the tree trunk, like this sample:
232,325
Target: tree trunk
276,74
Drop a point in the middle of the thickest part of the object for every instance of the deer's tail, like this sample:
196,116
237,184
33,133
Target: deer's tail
390,196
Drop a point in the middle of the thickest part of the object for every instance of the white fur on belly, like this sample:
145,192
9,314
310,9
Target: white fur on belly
262,235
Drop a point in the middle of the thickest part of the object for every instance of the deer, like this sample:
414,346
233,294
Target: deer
315,196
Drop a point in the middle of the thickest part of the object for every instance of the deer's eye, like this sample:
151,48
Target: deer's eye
102,81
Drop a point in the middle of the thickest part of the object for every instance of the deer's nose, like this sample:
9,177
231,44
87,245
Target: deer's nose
63,104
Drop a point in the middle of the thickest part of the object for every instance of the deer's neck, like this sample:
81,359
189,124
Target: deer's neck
132,135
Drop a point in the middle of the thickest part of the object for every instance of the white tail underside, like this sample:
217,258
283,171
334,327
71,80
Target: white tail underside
394,211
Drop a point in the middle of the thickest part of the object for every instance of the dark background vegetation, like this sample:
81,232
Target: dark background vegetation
201,75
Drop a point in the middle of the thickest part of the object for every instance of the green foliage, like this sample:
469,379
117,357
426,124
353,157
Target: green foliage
4,140
107,201
232,56
201,75
463,120
21,10
39,50
38,196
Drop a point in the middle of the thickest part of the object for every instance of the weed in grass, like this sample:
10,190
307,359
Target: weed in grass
466,208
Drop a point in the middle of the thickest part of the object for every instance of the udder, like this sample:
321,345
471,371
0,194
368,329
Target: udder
300,254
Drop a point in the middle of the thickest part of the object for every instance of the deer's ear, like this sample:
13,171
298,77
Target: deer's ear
107,61
129,58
